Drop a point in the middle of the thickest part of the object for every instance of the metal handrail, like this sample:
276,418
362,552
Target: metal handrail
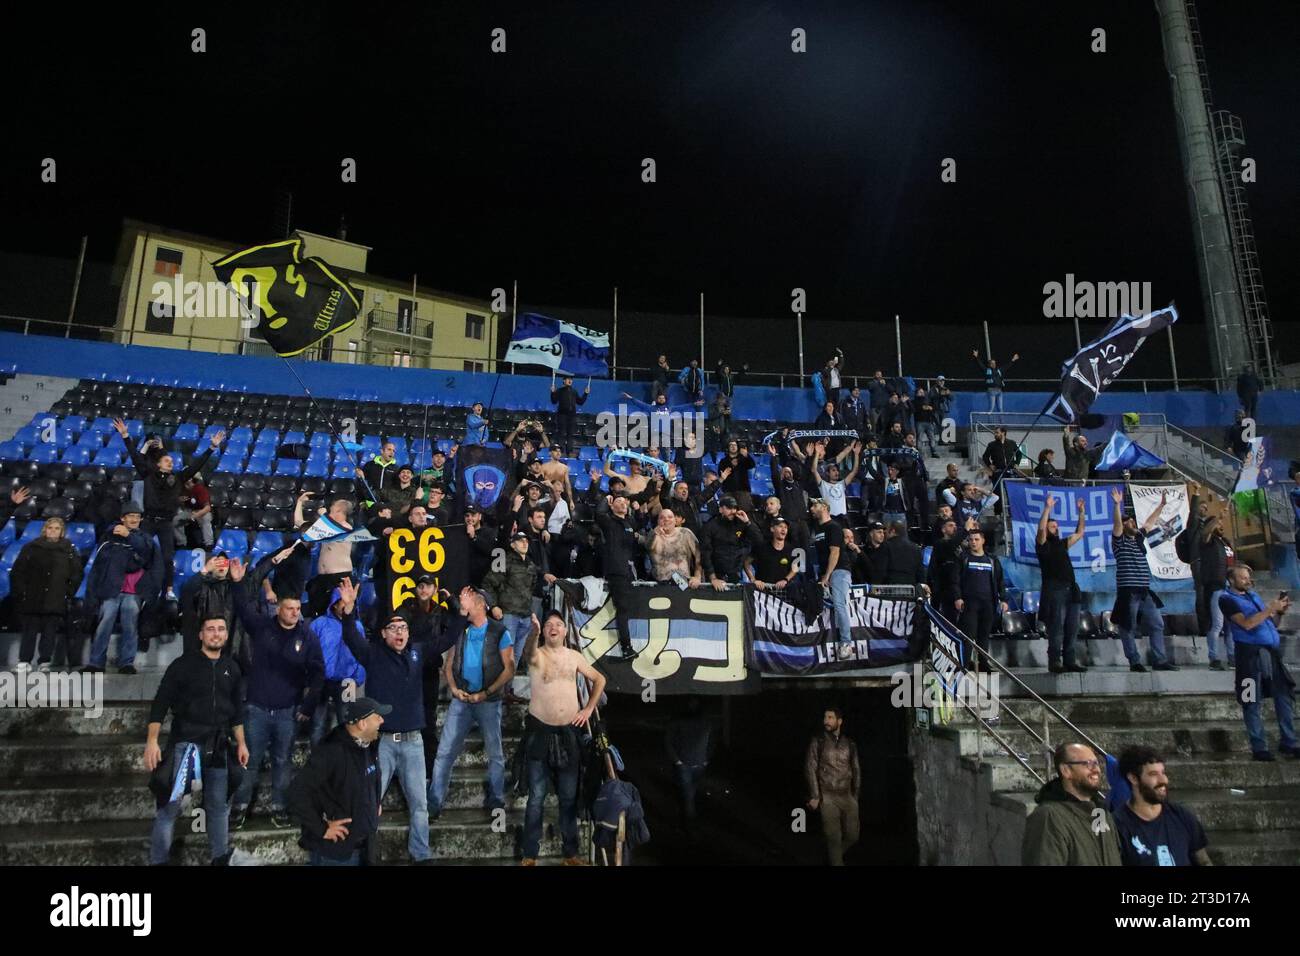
64,329
1048,708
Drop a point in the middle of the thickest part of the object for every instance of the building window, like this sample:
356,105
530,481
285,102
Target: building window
474,325
473,366
161,318
167,262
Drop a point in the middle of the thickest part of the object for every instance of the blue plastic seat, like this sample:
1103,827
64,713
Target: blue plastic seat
268,541
344,469
316,468
242,434
82,536
77,455
1029,601
8,534
76,423
258,466
232,464
44,454
288,466
186,431
233,542
107,457
12,451
28,435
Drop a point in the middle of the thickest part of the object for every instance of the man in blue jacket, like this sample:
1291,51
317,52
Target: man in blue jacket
340,665
285,670
1261,671
396,665
126,574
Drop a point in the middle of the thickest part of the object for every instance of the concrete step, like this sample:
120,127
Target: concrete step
131,719
1275,848
1116,711
38,800
455,837
1118,681
1200,772
35,758
1256,811
1197,739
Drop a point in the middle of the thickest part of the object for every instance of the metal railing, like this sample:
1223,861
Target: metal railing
1203,455
1044,741
382,355
391,354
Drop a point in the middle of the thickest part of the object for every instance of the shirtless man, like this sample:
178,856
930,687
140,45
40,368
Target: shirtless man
634,483
554,715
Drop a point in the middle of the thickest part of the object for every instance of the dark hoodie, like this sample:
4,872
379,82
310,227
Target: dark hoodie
1061,831
340,781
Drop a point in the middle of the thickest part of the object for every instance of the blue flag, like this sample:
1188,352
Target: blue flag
563,346
1124,454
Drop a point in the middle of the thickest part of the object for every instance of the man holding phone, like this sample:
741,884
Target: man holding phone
1261,671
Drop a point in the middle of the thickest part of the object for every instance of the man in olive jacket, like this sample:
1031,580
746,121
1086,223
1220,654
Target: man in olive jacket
1072,826
834,781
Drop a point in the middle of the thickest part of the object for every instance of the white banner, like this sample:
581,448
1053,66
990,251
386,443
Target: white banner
1170,523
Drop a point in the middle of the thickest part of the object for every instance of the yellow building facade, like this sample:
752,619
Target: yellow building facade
171,298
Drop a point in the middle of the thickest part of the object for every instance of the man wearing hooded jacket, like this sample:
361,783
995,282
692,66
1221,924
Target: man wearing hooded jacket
1072,826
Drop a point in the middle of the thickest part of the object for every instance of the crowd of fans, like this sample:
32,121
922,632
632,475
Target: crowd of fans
290,635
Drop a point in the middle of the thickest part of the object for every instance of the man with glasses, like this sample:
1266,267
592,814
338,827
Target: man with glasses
396,666
1071,826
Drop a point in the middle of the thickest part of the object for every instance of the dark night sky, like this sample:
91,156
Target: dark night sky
775,170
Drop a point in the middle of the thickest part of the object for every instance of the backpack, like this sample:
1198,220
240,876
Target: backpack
1183,546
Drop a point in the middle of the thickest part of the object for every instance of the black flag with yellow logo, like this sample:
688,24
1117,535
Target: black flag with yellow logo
299,300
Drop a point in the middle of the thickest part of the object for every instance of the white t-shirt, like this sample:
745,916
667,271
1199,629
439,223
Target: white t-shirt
833,495
555,523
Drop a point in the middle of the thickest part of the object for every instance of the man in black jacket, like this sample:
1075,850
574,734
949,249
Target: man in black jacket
1000,457
202,691
566,401
871,564
206,595
335,798
163,490
618,560
286,671
726,541
906,561
978,582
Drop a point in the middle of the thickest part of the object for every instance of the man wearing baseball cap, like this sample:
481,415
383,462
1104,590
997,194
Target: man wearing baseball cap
335,799
126,571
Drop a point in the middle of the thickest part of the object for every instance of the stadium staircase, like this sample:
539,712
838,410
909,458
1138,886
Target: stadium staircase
22,396
73,792
1250,809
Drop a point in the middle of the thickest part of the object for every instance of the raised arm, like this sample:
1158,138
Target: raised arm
1046,516
1117,513
1079,525
1154,518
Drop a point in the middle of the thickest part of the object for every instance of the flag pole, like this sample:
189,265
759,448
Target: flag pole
514,319
330,423
898,344
613,369
1173,359
799,322
701,336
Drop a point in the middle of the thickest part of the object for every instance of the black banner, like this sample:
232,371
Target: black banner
885,632
690,642
483,474
442,553
1098,363
300,301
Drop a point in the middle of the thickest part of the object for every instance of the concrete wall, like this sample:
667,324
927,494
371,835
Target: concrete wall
957,824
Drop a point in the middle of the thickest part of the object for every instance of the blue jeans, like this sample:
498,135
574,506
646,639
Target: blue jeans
539,783
318,859
995,400
841,581
1146,614
1283,703
1061,615
406,759
1217,629
124,608
215,808
460,718
518,625
688,780
926,436
331,703
274,729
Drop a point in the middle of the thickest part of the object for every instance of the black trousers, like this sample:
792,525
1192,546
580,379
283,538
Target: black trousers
565,427
44,626
977,622
620,589
162,527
